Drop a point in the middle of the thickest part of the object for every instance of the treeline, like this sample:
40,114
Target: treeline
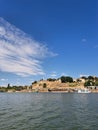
14,88
91,81
88,81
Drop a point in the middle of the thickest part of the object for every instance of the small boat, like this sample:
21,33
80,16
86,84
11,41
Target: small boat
83,91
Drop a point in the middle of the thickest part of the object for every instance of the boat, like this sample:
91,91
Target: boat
83,91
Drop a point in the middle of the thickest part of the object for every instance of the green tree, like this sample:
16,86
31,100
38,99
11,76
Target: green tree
65,79
89,83
50,79
84,77
44,85
8,86
96,83
90,78
69,79
34,82
96,78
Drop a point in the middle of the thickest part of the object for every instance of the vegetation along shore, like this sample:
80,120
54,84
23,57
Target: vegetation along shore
62,84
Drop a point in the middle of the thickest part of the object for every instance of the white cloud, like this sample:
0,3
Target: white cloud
53,74
19,53
84,75
64,74
84,40
4,79
96,46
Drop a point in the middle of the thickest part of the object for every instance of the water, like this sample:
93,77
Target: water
48,111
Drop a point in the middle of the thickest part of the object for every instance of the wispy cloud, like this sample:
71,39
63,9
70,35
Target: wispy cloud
84,75
64,74
4,79
84,39
53,74
19,53
96,46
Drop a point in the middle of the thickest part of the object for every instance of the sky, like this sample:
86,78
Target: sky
47,38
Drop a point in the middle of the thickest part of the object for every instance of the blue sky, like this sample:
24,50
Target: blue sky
47,38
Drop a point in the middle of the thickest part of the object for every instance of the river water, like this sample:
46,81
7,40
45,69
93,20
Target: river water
48,111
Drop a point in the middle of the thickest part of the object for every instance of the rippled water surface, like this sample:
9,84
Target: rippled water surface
48,111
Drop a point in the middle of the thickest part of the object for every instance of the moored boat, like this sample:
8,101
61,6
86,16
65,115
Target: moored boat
83,91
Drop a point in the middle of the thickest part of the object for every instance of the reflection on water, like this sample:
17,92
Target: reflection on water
51,111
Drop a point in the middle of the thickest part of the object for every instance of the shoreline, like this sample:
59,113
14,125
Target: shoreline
92,91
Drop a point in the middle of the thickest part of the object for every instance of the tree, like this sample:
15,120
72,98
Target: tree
50,79
69,79
44,85
65,79
89,83
90,78
96,83
34,82
8,86
84,77
96,78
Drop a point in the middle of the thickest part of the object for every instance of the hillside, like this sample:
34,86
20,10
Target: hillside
45,86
